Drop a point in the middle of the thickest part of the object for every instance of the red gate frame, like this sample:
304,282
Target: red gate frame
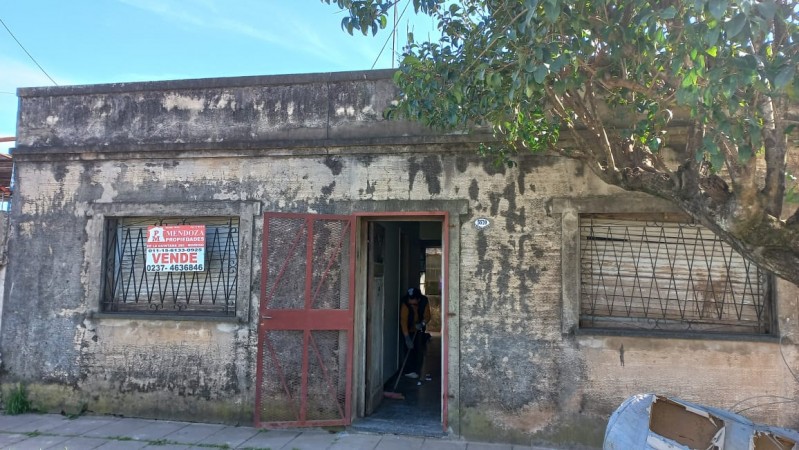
306,319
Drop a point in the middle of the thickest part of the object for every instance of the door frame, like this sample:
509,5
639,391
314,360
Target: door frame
373,393
359,351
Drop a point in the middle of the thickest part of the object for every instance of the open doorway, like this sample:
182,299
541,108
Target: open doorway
402,253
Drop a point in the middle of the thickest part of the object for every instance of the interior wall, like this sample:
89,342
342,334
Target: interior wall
433,286
430,231
393,290
411,230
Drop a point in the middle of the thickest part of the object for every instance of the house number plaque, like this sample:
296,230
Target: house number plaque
481,223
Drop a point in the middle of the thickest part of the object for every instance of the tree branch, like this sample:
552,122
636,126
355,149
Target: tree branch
730,159
596,129
776,148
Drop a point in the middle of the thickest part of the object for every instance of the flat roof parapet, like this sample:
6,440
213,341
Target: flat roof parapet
285,111
204,83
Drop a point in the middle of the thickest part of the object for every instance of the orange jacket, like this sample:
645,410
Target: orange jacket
404,311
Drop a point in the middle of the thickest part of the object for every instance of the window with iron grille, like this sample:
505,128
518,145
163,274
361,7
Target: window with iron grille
667,274
129,288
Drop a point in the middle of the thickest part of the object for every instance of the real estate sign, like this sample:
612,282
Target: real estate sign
175,248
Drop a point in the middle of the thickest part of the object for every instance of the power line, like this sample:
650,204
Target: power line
393,34
27,53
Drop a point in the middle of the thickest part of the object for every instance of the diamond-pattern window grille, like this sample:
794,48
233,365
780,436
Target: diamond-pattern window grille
670,275
129,288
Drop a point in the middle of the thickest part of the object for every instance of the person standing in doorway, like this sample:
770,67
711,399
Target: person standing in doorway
414,316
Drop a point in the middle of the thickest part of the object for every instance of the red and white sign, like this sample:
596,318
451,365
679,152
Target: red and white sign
176,248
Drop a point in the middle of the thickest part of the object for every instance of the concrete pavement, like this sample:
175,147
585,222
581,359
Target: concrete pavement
53,431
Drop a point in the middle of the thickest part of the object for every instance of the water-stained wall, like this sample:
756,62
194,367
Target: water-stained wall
318,144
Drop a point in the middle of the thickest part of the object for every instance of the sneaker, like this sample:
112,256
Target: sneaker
413,375
428,377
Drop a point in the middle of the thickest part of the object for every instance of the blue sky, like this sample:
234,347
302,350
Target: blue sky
109,41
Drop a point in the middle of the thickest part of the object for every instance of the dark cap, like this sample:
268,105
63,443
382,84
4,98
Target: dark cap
414,293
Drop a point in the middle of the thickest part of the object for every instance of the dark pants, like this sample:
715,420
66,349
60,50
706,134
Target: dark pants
416,358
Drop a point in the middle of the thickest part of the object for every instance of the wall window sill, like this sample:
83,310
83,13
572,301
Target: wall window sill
655,334
164,317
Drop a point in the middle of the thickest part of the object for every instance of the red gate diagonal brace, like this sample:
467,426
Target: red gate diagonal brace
326,375
281,374
285,265
330,261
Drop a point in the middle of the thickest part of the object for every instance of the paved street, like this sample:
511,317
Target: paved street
52,431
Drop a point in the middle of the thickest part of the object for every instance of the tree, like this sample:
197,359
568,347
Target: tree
715,77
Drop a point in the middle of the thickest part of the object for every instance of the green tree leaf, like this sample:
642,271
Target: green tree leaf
551,10
767,8
736,25
540,74
785,76
718,8
711,37
669,13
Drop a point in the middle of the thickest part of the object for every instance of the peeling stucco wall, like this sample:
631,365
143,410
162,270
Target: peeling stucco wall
318,144
248,112
173,369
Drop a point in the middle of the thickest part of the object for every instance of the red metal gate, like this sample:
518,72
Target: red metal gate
305,341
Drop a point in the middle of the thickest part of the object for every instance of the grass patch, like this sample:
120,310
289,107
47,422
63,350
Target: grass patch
18,402
33,433
120,438
169,442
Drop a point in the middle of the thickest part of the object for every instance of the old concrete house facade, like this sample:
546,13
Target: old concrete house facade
557,296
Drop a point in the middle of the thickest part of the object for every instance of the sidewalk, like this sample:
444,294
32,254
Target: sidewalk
52,431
